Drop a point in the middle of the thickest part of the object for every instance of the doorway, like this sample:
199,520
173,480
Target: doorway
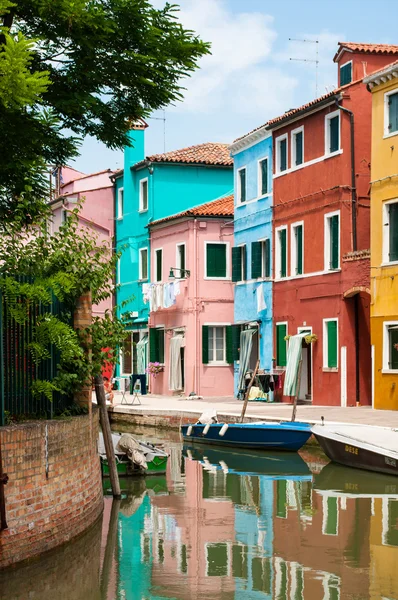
305,391
255,351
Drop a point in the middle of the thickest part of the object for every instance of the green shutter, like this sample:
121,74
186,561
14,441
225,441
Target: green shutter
216,260
161,345
205,344
393,337
236,329
159,256
244,263
334,126
242,180
346,74
334,241
281,357
153,344
332,516
256,260
264,176
393,113
299,249
393,231
229,344
237,263
283,155
299,147
281,498
282,237
267,257
332,343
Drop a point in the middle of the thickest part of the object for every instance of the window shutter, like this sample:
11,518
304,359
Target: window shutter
332,343
267,257
161,345
236,329
331,516
393,362
237,263
346,74
244,263
299,147
334,242
334,134
264,177
393,231
205,344
153,344
159,257
256,260
282,234
393,113
242,176
281,346
216,260
229,345
299,242
283,155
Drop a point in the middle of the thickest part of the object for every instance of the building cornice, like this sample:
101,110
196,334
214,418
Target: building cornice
390,72
250,139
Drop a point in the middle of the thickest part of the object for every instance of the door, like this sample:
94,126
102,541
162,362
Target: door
305,391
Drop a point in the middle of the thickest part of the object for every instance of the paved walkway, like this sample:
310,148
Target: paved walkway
170,405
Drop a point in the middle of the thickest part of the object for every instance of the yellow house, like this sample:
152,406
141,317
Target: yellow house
384,236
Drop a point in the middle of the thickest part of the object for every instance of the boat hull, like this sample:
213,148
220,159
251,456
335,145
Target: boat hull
157,466
264,436
350,454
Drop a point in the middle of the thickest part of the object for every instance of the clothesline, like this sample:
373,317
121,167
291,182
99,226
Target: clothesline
160,295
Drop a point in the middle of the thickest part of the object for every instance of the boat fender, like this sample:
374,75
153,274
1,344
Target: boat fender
189,430
206,429
223,429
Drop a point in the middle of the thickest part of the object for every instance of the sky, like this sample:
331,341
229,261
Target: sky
250,77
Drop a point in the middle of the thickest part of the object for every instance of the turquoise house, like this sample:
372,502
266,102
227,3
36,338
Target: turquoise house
149,188
252,252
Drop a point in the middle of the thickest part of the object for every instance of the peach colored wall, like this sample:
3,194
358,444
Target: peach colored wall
200,302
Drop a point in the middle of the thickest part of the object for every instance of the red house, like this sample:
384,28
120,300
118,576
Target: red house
321,232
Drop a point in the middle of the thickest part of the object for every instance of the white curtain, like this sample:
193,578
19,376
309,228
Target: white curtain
293,364
142,348
175,370
246,342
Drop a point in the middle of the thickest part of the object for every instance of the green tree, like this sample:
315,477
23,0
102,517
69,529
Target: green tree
71,68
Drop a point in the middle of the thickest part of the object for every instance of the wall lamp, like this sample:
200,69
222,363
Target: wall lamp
183,273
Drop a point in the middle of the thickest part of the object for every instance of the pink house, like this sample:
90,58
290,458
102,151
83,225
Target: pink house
191,300
98,209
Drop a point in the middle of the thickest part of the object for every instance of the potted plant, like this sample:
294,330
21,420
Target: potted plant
154,368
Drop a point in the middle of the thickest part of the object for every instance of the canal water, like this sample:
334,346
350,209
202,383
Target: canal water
224,525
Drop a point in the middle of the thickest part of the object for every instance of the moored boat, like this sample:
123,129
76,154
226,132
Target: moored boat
362,446
337,480
287,435
155,459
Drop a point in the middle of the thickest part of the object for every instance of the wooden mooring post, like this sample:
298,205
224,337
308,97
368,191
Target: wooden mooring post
249,387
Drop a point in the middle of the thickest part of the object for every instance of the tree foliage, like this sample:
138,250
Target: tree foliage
84,67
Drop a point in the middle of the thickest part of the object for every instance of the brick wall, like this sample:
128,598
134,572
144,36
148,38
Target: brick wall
54,494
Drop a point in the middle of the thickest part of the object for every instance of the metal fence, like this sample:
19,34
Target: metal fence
18,370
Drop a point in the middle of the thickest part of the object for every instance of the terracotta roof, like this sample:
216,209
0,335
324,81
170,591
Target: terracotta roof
366,48
222,207
202,154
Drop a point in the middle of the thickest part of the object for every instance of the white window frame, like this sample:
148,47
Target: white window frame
326,241
141,206
228,261
352,72
178,261
263,277
219,363
386,233
328,118
293,249
155,271
120,200
278,141
388,133
243,259
239,187
293,134
259,177
386,347
278,262
325,344
140,273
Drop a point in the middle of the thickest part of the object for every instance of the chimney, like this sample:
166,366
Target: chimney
136,152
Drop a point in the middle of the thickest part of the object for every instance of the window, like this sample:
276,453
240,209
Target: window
216,344
297,146
297,257
216,260
220,344
281,345
158,264
261,259
127,358
390,346
346,73
281,153
143,195
180,261
263,177
64,216
281,252
330,343
332,132
332,241
143,265
330,516
242,185
120,198
390,231
239,270
391,113
217,559
156,344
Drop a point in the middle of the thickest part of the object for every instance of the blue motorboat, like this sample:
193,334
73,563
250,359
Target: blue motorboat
286,435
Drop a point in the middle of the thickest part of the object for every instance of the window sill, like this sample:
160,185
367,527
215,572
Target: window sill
218,364
308,163
119,218
389,264
389,371
263,197
143,279
143,210
217,278
389,135
330,369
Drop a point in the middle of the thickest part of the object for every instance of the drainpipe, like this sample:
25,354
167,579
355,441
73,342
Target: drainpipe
354,246
196,263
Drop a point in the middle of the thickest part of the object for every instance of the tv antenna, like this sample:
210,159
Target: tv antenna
164,127
308,60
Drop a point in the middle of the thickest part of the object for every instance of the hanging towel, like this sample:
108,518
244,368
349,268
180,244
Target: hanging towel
261,305
177,287
293,364
145,292
159,296
175,370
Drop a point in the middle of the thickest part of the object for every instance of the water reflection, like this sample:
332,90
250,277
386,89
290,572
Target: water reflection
228,525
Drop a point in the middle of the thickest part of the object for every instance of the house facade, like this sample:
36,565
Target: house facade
150,188
190,301
384,236
251,255
321,237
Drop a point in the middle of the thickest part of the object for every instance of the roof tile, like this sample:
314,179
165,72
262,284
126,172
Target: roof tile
209,153
367,48
222,207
